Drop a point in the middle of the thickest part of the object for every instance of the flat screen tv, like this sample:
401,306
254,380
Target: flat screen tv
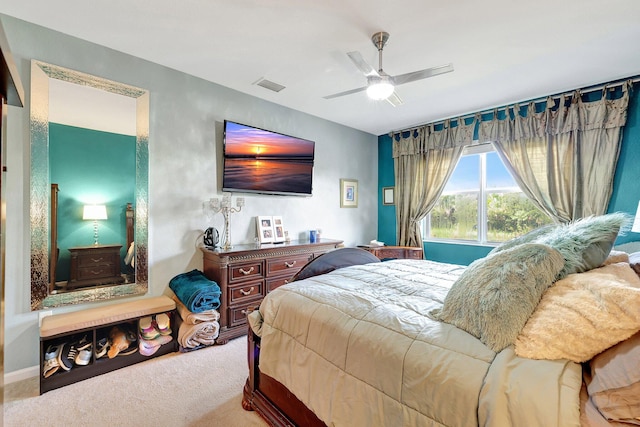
261,161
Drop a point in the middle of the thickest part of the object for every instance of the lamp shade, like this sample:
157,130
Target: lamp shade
636,222
94,212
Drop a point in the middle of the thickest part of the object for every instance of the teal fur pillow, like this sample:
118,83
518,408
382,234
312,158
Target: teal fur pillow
586,242
529,237
494,297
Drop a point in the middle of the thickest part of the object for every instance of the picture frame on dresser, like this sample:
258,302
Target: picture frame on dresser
278,229
264,227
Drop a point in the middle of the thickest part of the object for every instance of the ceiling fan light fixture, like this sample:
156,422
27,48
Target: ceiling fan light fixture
379,88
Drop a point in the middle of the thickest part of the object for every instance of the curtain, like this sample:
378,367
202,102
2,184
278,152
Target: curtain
563,158
424,160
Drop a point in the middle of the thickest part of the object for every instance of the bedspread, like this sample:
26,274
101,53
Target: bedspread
357,348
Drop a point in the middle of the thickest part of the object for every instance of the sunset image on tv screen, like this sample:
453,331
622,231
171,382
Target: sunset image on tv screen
262,161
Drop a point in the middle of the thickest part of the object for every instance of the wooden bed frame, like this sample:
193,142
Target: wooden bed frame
269,398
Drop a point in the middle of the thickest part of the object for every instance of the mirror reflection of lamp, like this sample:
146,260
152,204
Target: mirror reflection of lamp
94,212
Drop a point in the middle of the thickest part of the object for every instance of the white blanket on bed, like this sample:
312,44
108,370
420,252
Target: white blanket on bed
356,347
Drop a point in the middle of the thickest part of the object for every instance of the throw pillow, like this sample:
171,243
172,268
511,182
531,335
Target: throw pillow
583,315
585,243
495,295
529,237
613,380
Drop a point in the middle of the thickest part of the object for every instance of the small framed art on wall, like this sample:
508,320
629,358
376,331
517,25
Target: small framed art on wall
348,193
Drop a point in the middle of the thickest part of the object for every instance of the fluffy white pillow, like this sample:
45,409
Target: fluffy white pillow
583,315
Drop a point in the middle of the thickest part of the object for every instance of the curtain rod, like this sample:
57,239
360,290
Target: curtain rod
586,89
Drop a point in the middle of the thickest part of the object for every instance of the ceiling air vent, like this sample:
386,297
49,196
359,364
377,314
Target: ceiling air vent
267,84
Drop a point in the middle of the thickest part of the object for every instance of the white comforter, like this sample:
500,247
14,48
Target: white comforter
357,347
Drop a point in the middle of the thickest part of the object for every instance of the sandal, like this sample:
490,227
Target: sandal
163,322
50,367
147,328
51,364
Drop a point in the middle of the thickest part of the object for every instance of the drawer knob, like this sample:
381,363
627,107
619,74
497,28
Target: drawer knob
289,265
245,293
245,272
96,259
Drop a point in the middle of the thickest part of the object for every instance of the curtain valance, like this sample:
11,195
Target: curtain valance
424,138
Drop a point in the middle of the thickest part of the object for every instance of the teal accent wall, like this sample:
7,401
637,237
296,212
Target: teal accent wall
386,178
90,167
625,197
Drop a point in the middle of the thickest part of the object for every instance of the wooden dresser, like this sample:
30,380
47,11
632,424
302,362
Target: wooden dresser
246,273
405,252
94,265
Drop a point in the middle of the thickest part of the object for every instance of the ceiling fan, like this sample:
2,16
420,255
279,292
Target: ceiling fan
380,85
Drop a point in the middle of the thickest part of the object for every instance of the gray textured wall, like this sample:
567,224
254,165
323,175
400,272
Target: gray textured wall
186,116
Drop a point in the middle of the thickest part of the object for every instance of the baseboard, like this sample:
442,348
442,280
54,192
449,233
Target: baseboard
22,374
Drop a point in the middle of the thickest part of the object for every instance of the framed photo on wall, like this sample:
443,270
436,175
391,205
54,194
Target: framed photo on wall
348,193
278,229
264,225
388,196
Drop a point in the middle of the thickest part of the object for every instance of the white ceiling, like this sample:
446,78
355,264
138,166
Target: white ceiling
503,51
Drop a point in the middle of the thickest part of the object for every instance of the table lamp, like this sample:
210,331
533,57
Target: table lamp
94,212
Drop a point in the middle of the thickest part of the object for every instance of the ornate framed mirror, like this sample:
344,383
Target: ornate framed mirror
130,277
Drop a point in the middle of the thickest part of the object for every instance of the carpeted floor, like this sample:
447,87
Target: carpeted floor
199,388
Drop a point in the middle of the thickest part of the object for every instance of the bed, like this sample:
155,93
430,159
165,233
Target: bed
393,344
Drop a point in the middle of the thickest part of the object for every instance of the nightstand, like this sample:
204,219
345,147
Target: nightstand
404,252
94,265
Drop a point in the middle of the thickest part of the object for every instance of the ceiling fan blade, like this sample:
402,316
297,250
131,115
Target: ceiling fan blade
394,99
348,92
362,65
422,74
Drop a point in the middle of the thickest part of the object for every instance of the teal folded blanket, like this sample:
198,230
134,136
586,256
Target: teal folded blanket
195,291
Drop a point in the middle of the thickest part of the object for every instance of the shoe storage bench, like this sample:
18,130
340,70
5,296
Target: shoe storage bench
95,324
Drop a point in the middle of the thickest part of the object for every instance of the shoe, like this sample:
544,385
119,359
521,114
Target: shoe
149,347
67,356
147,328
83,344
52,352
84,356
102,345
51,364
133,348
163,322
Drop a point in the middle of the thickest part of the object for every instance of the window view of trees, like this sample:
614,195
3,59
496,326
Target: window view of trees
481,202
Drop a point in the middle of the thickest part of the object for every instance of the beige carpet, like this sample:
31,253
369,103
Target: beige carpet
199,388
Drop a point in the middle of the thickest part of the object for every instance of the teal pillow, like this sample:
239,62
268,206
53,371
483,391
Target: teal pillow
494,297
586,242
529,237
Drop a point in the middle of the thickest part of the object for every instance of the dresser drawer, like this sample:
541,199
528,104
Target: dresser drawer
96,272
238,314
245,291
241,272
95,260
290,264
276,283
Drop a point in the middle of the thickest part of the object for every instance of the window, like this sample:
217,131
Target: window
482,202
